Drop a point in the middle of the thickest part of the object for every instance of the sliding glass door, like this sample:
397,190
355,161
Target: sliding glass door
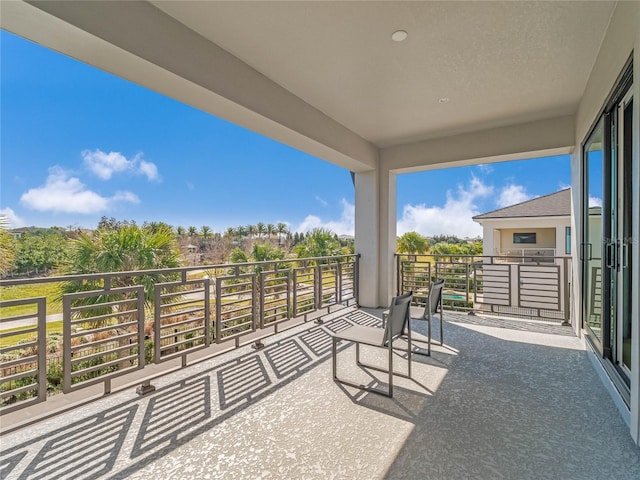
606,251
591,248
621,277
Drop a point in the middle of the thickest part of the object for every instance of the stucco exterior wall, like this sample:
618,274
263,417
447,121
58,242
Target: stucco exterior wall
550,230
545,238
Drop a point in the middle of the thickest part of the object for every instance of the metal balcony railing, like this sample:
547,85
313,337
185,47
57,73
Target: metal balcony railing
116,323
527,255
521,286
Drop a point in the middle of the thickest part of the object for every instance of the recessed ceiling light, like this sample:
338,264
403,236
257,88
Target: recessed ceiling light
399,36
443,100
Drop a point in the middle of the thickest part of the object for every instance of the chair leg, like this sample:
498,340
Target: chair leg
429,335
390,368
334,352
418,351
358,354
441,329
409,351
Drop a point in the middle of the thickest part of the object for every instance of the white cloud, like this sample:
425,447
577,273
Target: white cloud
512,194
322,201
595,201
452,218
485,168
12,217
104,165
125,197
149,169
344,226
63,193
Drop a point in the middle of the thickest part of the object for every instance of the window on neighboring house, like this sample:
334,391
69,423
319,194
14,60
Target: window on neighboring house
524,238
567,240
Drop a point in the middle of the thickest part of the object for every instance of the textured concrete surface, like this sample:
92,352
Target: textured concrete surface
501,399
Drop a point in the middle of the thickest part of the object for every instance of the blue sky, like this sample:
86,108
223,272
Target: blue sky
78,143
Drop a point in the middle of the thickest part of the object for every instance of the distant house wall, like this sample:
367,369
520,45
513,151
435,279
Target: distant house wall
498,233
545,238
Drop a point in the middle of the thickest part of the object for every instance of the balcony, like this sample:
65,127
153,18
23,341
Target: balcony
347,112
496,401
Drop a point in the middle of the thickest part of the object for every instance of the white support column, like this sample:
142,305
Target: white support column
375,225
387,235
366,232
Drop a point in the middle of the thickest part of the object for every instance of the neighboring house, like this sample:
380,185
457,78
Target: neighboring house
535,229
529,245
19,232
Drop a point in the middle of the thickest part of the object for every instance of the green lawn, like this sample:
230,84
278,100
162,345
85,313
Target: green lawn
49,290
52,327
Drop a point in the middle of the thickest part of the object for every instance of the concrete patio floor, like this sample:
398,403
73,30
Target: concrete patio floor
496,401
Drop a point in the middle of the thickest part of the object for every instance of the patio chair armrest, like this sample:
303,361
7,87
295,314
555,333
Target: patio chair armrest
385,316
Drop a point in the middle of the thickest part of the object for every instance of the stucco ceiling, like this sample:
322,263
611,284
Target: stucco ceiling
498,63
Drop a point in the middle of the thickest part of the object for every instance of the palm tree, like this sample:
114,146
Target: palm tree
282,230
251,230
193,231
320,242
412,242
271,229
206,234
205,231
156,226
261,252
261,229
180,231
231,232
129,248
242,231
238,256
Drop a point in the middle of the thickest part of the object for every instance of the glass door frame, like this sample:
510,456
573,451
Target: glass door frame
588,277
613,238
624,199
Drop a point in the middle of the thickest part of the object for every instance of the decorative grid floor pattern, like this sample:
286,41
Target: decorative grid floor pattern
501,399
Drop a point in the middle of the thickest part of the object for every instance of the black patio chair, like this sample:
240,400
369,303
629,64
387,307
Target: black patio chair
377,337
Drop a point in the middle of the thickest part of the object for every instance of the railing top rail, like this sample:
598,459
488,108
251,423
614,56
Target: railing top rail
464,255
106,275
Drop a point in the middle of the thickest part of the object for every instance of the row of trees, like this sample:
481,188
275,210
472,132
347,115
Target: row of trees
201,245
414,243
40,250
259,230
